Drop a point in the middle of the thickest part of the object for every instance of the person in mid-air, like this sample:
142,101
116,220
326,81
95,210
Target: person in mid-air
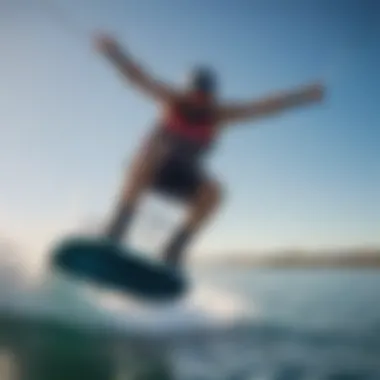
171,159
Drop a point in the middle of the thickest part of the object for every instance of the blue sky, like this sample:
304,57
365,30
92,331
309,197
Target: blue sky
310,178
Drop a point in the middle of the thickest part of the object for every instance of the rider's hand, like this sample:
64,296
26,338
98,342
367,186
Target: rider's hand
105,43
315,92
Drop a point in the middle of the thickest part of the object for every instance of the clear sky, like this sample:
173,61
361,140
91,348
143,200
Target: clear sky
309,178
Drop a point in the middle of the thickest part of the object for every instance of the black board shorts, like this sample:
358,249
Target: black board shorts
181,172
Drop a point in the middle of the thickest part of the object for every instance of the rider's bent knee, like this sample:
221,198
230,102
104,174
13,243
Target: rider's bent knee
215,192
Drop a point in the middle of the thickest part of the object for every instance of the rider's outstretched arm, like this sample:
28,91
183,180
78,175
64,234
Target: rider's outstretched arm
271,105
133,71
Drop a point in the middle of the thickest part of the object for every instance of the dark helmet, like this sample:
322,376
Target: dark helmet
202,79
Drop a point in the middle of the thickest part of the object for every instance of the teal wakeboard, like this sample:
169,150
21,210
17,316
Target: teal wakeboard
113,266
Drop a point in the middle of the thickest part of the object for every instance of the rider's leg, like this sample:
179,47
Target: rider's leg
202,206
139,179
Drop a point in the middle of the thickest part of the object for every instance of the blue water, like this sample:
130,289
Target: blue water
307,325
321,324
326,299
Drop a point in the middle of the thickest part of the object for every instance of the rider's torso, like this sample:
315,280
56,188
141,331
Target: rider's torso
191,119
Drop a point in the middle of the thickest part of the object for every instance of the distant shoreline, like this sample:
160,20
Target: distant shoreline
358,260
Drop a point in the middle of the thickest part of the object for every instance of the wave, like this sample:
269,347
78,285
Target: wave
198,337
60,297
209,334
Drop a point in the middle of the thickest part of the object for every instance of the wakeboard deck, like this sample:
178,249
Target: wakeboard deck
109,264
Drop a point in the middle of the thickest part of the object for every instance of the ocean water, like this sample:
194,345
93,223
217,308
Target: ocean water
238,324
